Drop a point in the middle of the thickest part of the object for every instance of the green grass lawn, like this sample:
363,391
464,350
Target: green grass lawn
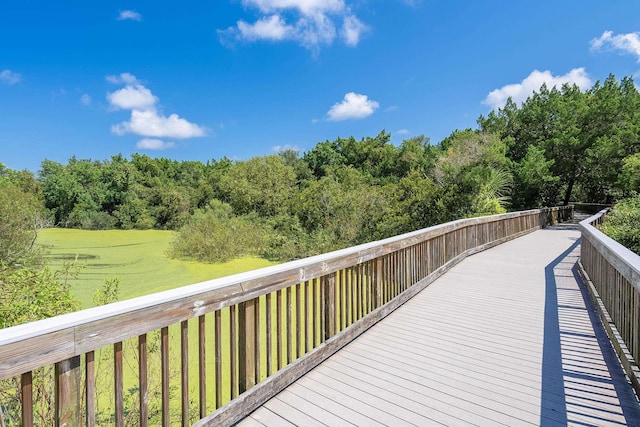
136,257
139,260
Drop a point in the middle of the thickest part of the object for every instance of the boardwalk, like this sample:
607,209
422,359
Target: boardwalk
507,337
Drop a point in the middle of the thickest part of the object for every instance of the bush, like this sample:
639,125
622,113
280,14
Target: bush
623,223
213,234
97,221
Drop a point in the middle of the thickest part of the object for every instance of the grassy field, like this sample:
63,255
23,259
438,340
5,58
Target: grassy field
136,257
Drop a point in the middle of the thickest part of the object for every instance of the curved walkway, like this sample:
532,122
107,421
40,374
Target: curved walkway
506,337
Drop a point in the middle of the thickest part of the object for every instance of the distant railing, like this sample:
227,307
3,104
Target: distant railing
613,274
589,208
238,340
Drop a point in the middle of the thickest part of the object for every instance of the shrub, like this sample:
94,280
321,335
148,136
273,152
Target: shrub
213,234
623,223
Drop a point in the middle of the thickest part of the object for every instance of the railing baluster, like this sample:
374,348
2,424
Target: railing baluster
256,341
217,324
279,315
360,290
288,326
26,394
90,389
202,365
315,312
307,344
329,282
269,335
299,323
184,371
118,384
232,346
143,381
67,373
164,367
246,343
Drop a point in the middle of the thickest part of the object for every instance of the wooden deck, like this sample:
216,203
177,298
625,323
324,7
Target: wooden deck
495,341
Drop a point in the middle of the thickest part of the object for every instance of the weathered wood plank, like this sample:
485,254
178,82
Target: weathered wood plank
267,417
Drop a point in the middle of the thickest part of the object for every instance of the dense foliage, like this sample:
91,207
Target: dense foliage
561,144
623,223
571,145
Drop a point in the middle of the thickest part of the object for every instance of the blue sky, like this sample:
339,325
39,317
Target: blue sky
240,78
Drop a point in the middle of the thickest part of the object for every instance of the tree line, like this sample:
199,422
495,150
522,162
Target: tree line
561,144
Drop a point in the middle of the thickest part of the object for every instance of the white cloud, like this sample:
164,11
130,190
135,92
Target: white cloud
352,29
150,123
391,108
132,97
519,92
127,78
85,99
145,119
10,77
627,43
306,7
267,28
353,106
310,23
153,144
403,132
129,15
286,147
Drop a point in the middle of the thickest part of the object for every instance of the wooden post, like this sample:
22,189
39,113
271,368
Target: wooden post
378,292
118,381
329,305
27,400
143,380
68,374
164,368
184,370
246,343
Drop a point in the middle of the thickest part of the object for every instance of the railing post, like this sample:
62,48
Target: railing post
246,344
329,305
68,374
378,293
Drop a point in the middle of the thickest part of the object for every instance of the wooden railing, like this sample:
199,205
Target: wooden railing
612,273
237,340
589,208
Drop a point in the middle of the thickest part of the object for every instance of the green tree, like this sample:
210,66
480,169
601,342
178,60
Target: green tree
214,234
264,185
21,217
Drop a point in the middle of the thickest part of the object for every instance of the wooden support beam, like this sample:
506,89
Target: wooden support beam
68,375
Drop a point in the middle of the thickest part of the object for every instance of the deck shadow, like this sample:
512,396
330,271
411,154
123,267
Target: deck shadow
552,371
557,373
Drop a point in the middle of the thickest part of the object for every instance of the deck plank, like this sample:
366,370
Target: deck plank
506,337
